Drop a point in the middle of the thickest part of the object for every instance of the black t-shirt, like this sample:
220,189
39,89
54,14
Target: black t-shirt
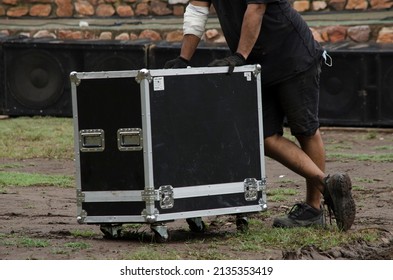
285,45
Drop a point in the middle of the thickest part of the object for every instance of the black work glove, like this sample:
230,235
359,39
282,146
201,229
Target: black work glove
178,62
234,60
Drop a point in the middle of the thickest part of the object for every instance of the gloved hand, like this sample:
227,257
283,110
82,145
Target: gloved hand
234,60
178,62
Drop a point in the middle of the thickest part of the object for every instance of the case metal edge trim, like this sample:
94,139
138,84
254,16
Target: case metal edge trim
80,212
174,216
112,196
77,77
150,211
178,193
263,182
211,212
254,68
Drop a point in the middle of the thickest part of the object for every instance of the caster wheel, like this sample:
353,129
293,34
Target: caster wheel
242,223
111,231
196,225
161,234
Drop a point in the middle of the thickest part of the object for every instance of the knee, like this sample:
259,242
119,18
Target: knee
270,143
270,140
303,139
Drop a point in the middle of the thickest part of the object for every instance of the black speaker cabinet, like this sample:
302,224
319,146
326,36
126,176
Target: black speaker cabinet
385,85
160,53
36,72
36,76
357,89
2,88
342,101
115,55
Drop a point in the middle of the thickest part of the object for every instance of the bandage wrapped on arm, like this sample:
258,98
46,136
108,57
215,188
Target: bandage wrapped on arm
195,18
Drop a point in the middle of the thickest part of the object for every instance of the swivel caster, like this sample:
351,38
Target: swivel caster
242,223
160,232
196,225
111,231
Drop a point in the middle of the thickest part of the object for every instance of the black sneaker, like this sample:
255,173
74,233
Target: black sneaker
301,215
338,198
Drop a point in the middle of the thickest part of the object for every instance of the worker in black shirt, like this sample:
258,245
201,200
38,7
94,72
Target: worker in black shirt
271,33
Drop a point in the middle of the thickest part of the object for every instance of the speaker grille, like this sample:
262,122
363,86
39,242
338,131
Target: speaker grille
352,91
35,78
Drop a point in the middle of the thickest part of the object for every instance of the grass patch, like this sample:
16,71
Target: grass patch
10,166
19,179
261,236
30,242
358,188
384,148
364,180
338,147
371,135
8,242
280,194
31,137
77,245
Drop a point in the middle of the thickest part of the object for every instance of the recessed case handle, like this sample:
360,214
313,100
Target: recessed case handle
91,140
129,139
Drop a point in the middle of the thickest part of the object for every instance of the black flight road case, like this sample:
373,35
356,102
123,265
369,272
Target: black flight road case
154,146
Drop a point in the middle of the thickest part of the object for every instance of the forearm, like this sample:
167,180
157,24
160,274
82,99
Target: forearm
189,45
195,18
251,27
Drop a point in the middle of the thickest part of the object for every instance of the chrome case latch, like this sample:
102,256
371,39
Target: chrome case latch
166,197
250,189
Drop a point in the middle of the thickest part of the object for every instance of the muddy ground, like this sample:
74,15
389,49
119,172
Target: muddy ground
49,213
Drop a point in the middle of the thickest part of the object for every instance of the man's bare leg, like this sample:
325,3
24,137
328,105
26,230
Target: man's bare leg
314,148
293,157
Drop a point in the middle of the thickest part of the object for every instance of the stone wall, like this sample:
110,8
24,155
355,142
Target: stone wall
150,10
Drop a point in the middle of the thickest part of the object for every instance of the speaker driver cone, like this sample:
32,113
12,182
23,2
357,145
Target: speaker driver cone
338,88
36,79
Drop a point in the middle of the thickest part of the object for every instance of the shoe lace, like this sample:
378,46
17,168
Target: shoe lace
297,210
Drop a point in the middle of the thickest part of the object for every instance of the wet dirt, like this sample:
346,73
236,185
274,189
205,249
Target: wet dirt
49,213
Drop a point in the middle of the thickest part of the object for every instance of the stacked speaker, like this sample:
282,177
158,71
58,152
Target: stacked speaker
35,72
358,89
34,75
